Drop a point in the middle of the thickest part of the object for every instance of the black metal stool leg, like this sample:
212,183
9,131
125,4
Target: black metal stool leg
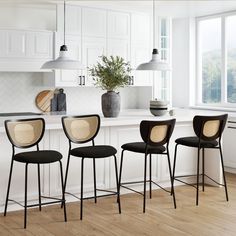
81,190
198,158
25,206
121,166
145,180
67,169
117,184
223,170
8,187
94,180
150,174
171,180
63,193
203,169
39,187
173,175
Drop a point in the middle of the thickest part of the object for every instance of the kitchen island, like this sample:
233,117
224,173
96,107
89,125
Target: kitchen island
115,132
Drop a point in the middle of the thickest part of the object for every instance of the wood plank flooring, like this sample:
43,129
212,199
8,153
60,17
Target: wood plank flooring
214,216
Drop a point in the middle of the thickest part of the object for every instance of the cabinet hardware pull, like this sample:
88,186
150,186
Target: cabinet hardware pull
231,127
232,122
80,82
83,80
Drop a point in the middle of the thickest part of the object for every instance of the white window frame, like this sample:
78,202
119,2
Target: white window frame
223,103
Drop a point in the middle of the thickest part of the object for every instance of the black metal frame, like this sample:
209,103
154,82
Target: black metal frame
148,125
198,123
81,198
40,204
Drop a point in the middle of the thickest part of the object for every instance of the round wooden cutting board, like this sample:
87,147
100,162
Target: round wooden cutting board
43,100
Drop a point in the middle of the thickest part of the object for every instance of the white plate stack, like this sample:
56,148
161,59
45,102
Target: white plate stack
158,107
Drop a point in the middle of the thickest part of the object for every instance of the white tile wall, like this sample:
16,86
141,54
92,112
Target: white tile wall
18,91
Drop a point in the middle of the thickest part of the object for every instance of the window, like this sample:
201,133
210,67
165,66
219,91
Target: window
163,84
216,56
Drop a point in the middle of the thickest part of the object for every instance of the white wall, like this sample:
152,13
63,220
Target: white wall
183,62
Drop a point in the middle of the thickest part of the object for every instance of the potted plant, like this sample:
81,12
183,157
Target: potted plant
110,74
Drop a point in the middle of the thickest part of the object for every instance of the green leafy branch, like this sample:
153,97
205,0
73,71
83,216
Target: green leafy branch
111,73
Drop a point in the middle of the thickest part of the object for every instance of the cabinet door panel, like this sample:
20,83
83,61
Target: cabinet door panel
16,43
93,48
119,47
93,22
140,25
40,45
73,19
3,43
140,53
133,164
118,25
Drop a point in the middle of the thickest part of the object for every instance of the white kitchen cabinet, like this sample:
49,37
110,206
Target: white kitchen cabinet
119,47
93,22
118,25
73,19
229,148
140,53
140,48
140,28
40,45
69,78
25,50
92,49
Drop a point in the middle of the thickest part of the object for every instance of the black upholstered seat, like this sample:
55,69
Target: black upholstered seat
98,151
38,157
140,147
194,141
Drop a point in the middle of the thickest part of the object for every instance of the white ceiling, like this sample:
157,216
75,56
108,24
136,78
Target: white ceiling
172,8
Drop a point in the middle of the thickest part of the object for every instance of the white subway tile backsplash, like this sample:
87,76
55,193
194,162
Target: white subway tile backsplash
19,89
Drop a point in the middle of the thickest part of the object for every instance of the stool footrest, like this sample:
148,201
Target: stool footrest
137,182
111,193
185,176
57,200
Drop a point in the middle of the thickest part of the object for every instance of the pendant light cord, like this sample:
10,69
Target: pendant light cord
154,23
64,22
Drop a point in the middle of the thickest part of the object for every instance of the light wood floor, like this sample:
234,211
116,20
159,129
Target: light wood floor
214,216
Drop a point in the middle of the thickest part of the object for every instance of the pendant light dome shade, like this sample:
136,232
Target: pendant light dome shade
63,62
155,63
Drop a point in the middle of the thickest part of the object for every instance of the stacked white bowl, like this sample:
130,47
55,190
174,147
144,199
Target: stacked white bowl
158,107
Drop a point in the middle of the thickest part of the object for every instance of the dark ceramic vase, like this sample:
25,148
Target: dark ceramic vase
111,104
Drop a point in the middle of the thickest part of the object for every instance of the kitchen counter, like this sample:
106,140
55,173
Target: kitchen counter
126,117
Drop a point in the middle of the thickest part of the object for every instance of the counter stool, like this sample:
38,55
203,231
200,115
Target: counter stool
208,130
83,129
156,136
24,134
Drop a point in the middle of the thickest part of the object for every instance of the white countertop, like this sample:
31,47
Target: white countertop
126,117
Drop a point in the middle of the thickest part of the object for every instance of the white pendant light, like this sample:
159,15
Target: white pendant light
155,63
63,62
